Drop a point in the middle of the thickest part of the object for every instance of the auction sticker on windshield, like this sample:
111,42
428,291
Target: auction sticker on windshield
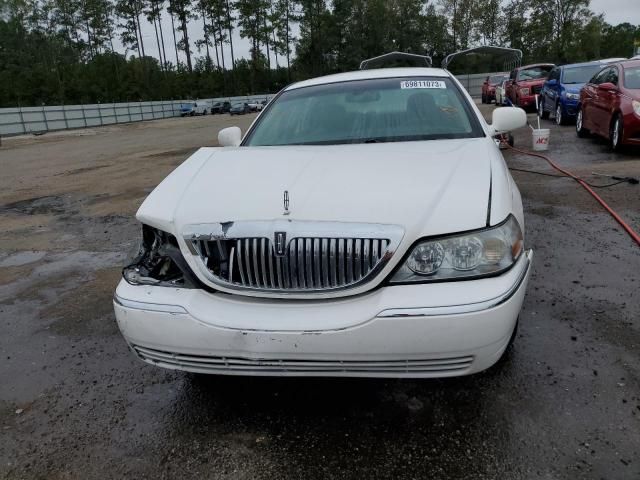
423,84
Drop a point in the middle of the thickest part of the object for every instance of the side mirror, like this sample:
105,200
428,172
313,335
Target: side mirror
230,137
608,86
552,83
505,119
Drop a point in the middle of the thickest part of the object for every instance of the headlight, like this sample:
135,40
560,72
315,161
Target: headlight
159,262
636,107
476,254
524,91
573,96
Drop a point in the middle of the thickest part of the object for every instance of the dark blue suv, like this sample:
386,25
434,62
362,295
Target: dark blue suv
560,94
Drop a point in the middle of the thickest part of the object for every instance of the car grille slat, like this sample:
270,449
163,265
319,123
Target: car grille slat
309,262
333,268
366,260
254,249
293,264
239,258
300,254
357,257
324,253
341,256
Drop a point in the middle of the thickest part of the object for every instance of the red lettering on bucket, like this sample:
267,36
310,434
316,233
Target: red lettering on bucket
542,140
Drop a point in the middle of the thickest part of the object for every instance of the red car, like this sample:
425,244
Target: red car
526,82
489,87
610,105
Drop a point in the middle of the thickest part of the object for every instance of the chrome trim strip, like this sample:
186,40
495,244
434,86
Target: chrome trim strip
149,307
459,309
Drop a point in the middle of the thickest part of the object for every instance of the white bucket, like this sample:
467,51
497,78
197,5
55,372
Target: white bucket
541,139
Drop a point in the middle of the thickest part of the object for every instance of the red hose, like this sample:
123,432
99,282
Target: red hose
632,233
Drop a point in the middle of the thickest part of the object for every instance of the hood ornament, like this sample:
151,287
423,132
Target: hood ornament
286,203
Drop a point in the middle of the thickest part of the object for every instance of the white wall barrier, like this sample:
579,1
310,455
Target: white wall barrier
24,120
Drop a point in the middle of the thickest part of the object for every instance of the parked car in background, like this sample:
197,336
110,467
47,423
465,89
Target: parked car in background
489,87
202,107
199,107
501,91
560,94
239,108
610,105
255,106
220,107
339,262
526,82
188,109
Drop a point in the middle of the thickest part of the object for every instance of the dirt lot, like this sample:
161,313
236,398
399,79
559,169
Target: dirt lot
74,403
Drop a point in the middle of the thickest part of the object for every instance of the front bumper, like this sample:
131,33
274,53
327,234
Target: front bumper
525,101
570,108
631,129
431,330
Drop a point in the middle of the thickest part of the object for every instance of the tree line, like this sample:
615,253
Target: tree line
64,51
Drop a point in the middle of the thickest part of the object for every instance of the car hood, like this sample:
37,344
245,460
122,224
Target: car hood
529,83
427,188
573,87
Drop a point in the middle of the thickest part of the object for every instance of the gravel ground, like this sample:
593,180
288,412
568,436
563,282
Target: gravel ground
74,403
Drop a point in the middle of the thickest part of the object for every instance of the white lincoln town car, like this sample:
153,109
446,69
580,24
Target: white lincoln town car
365,225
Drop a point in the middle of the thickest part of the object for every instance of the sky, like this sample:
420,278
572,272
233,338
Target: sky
618,11
615,12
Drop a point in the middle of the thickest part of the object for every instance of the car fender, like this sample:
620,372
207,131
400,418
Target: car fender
505,196
157,210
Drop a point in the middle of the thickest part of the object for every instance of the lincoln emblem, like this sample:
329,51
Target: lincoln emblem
280,243
286,203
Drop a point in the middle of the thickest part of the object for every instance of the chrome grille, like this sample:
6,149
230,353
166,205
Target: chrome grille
313,258
307,263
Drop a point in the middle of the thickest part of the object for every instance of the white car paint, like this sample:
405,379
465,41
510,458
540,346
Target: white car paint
202,107
427,188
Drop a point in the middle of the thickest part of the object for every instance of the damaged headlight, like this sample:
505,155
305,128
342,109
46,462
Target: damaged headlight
159,262
471,255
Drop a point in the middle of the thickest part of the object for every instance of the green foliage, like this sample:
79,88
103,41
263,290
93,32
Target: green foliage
61,51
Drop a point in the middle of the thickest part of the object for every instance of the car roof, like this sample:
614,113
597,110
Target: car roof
585,64
372,74
630,63
536,65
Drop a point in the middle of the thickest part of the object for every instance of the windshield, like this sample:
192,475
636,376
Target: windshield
580,74
496,79
534,73
366,111
237,105
632,77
